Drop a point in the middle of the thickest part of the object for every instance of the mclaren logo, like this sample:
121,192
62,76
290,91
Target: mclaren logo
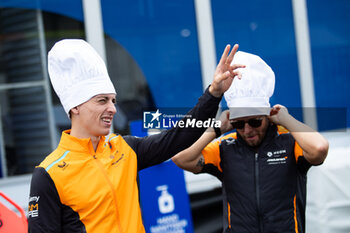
118,160
281,160
63,165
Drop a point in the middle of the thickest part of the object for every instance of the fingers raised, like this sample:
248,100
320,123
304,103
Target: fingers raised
232,54
224,54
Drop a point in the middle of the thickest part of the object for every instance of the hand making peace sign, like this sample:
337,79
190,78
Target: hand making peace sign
225,72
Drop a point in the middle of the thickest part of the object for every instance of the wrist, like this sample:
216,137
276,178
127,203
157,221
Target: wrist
214,92
286,121
217,131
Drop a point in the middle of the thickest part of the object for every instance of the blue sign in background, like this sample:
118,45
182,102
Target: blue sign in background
164,198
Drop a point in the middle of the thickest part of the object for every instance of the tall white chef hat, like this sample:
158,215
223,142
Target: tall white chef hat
250,95
77,73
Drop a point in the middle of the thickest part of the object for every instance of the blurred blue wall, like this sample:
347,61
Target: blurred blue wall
162,37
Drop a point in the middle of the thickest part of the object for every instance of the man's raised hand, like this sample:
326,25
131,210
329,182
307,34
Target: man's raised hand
225,72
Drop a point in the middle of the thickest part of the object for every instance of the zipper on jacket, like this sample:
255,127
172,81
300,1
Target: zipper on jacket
257,187
99,164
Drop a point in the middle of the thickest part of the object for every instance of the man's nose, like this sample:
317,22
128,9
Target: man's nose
111,108
247,128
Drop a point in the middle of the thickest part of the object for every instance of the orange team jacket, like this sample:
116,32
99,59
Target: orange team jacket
76,189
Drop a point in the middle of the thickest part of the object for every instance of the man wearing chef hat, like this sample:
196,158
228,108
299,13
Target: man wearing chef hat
263,170
89,183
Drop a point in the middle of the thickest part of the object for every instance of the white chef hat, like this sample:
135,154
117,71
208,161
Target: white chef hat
250,95
77,73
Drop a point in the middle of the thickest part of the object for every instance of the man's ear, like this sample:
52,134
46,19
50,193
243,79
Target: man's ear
74,111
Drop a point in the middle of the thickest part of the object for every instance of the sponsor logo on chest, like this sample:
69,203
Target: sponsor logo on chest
277,157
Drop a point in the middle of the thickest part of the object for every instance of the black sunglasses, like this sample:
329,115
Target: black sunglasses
254,122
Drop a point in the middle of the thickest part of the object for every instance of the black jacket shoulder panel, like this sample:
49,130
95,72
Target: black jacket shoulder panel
46,213
44,204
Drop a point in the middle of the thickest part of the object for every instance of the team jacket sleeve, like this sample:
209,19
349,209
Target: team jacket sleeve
211,154
157,148
212,159
44,204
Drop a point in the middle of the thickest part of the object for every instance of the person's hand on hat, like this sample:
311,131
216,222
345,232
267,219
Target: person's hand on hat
225,122
225,72
279,115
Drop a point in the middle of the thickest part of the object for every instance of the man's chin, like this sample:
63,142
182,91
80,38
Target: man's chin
253,143
105,132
